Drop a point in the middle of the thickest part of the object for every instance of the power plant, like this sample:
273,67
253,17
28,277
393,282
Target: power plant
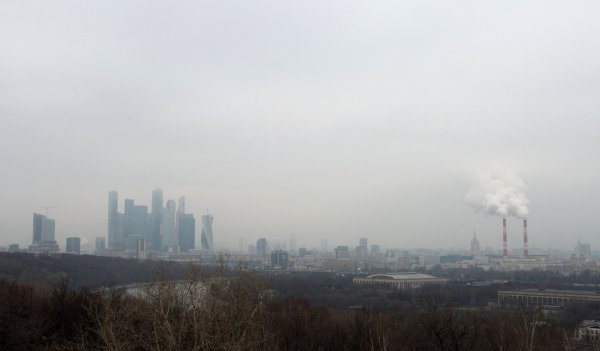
504,239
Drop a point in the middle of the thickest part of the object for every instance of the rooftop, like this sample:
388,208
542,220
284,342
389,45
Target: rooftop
401,276
555,292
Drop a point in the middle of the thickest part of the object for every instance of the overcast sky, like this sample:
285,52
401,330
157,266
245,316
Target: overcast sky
323,119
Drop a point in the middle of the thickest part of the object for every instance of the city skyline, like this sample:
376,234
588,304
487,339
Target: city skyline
326,120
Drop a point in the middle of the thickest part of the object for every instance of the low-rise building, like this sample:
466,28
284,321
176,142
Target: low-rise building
545,297
402,281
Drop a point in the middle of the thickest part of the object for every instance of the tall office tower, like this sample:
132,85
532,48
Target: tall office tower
127,220
262,247
43,235
207,232
113,220
292,245
187,232
100,244
180,212
139,221
168,236
155,220
362,242
129,204
43,229
74,245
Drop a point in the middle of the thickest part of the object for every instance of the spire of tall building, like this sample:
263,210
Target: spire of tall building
475,248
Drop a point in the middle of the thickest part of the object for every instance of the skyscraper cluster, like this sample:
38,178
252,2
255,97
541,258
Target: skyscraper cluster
165,228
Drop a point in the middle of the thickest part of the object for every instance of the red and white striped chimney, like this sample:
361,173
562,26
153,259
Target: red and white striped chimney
525,245
504,246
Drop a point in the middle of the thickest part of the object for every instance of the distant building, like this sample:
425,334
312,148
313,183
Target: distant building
342,252
262,247
187,232
279,259
475,248
156,218
43,235
402,281
141,249
363,243
178,216
583,250
168,236
139,221
429,260
375,250
293,246
545,297
113,220
304,252
43,229
74,245
13,248
206,235
100,245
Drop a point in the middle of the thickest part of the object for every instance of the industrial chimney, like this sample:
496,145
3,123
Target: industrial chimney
504,246
525,245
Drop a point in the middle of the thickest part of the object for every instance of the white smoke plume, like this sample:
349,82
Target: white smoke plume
502,196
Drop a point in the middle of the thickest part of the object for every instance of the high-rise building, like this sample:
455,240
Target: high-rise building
583,250
207,232
113,219
293,246
187,232
179,215
168,236
74,245
362,248
100,245
129,203
279,259
139,221
363,243
375,250
155,220
262,247
43,229
475,248
43,235
127,221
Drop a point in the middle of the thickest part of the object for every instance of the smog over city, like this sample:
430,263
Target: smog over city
355,137
326,120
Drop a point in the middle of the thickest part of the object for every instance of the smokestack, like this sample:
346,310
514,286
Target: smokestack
525,246
504,246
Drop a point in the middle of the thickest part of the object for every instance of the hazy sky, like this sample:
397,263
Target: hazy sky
323,119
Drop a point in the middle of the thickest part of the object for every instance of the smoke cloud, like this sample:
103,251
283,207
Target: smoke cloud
502,196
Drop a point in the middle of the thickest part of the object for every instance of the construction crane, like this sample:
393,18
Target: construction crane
46,208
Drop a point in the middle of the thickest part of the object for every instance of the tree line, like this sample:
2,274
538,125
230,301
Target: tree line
222,309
